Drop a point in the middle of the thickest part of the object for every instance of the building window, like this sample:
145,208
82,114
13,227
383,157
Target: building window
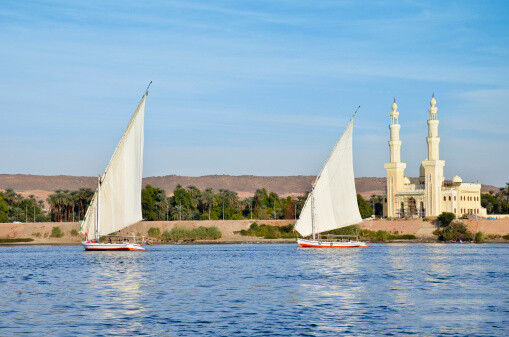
449,198
454,200
455,210
444,198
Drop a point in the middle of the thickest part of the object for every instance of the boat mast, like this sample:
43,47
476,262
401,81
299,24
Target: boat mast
97,215
313,213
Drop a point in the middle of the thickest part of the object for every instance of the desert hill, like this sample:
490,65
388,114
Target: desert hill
245,185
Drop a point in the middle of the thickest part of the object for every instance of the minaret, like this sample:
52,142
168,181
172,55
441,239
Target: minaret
433,166
395,169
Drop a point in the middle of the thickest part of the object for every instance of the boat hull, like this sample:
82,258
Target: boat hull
303,243
90,246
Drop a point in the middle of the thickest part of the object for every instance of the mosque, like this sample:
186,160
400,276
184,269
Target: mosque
432,195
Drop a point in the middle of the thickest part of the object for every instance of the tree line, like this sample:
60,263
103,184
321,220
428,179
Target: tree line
193,204
16,208
496,203
188,203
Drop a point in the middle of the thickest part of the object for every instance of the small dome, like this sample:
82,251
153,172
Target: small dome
407,181
457,180
394,106
433,101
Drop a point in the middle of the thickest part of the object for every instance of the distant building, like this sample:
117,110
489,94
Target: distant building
432,195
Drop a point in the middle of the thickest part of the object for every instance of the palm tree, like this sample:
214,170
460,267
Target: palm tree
195,195
208,199
178,211
247,205
228,198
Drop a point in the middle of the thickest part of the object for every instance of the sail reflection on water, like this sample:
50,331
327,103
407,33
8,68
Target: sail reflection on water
117,284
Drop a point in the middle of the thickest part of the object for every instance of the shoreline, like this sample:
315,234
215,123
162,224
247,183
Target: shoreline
261,241
493,231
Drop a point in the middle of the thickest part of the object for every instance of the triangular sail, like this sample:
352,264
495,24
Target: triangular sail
335,198
120,190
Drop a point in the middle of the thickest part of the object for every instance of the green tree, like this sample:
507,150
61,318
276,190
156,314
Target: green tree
228,204
364,208
183,198
153,203
207,200
154,232
4,210
445,218
455,232
195,194
377,202
479,237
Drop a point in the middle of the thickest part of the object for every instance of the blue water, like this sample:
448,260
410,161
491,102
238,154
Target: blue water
256,290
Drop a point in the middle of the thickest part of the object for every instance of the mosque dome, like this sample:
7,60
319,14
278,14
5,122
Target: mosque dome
407,181
394,106
457,180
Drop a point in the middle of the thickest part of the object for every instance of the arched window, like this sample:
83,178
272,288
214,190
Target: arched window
412,208
449,198
455,210
444,198
454,200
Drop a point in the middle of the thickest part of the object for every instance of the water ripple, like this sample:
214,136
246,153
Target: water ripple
256,290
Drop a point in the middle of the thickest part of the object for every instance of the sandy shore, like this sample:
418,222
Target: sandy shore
423,230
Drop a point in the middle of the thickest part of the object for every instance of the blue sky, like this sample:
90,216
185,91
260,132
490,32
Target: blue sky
253,87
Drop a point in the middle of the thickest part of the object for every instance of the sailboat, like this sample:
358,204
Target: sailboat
332,202
116,203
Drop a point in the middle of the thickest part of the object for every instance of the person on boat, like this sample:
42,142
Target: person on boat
109,240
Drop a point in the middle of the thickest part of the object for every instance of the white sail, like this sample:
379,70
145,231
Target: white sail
334,203
119,194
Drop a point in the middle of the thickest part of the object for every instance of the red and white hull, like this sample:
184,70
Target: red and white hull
330,244
93,246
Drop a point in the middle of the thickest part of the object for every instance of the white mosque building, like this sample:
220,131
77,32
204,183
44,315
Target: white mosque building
432,195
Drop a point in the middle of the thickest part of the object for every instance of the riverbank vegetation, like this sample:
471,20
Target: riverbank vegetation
16,240
454,232
366,234
177,234
188,203
496,202
64,206
270,232
191,203
16,208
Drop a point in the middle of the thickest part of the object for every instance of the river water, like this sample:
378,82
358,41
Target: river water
256,290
